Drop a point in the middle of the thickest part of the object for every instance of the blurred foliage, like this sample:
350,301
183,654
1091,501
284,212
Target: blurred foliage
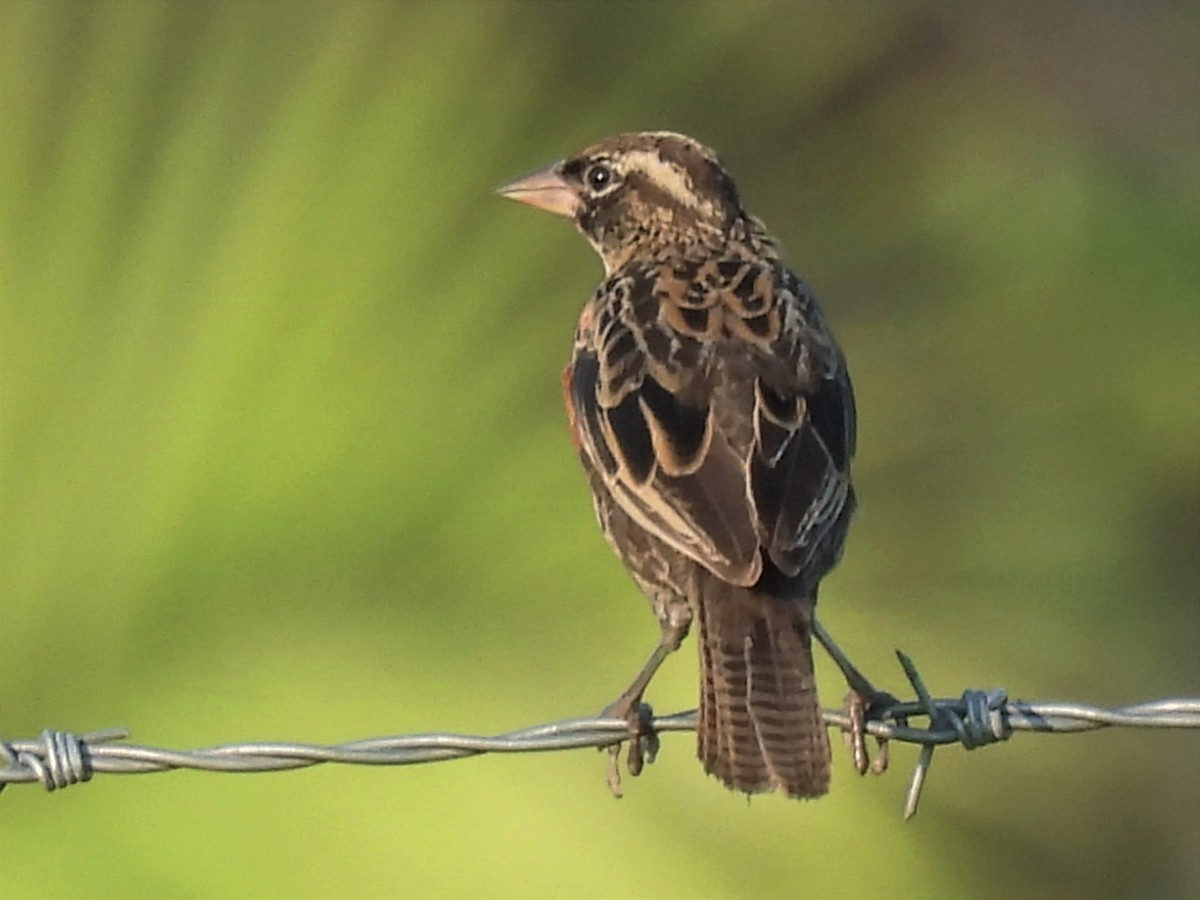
283,456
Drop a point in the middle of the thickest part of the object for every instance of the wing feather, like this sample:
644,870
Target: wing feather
722,485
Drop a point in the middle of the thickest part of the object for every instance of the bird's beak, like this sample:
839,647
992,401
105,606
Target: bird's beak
545,189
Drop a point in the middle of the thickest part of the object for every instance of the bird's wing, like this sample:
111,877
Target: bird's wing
804,436
660,395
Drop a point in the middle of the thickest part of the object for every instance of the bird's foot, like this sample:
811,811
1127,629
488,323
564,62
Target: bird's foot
675,617
643,740
861,707
864,703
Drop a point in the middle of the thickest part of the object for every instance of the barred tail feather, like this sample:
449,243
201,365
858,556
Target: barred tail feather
760,725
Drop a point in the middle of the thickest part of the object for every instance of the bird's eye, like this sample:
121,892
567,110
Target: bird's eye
599,177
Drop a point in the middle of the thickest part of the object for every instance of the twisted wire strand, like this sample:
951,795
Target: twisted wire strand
58,759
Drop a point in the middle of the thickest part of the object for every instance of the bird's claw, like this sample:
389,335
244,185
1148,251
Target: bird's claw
859,709
643,743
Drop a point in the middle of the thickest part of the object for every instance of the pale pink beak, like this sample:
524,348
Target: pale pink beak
544,189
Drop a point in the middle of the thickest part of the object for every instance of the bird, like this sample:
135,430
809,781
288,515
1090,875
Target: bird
714,417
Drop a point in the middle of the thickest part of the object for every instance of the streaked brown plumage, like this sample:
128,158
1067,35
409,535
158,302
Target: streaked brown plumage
715,420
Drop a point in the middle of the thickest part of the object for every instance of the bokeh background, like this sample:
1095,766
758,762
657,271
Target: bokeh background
283,456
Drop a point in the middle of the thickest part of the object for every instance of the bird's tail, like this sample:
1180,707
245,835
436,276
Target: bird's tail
760,725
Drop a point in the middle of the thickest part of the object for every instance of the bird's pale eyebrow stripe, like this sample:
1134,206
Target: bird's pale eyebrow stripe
671,178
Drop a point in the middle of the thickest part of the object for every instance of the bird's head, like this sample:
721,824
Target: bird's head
639,194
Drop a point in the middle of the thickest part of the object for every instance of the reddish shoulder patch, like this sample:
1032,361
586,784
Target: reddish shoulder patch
572,420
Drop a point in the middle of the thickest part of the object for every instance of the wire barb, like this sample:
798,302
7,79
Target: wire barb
981,721
58,759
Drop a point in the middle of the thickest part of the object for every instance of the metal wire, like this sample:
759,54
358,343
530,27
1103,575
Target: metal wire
58,759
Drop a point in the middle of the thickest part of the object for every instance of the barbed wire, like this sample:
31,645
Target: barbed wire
58,759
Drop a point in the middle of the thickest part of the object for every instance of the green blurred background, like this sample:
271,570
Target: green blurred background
283,456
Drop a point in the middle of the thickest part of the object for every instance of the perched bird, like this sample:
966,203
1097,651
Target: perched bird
714,416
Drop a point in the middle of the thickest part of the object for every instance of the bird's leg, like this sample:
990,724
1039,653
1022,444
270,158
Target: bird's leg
675,618
863,702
